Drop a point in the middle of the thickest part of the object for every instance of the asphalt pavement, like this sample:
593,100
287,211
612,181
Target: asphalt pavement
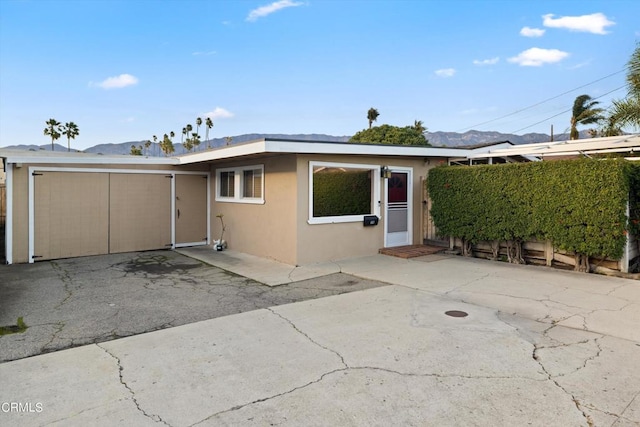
72,302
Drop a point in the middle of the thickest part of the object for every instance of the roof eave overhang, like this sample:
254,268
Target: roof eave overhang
293,147
88,160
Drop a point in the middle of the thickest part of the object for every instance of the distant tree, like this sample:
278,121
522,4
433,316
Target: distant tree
198,124
584,112
228,140
195,140
52,130
184,132
188,144
155,141
626,112
70,130
167,145
147,144
136,151
372,116
209,124
387,134
419,126
611,127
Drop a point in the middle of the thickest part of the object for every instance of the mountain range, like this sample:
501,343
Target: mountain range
436,139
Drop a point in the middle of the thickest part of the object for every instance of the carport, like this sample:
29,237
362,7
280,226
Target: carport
63,205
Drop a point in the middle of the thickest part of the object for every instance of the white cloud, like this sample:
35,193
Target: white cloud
536,57
219,113
445,72
595,23
263,11
532,32
117,82
490,61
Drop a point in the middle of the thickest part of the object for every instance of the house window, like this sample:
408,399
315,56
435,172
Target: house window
342,192
252,183
241,185
227,186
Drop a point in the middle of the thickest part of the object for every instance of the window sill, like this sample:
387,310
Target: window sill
245,201
336,219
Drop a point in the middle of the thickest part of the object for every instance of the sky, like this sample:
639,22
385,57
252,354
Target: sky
127,70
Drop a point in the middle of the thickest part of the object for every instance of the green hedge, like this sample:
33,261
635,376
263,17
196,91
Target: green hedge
338,193
580,205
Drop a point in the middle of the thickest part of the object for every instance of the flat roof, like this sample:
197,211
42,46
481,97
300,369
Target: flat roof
611,144
49,157
267,145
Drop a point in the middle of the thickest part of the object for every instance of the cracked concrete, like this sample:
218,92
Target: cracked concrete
380,356
80,301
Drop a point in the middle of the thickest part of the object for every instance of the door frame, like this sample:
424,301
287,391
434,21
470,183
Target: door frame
409,172
174,217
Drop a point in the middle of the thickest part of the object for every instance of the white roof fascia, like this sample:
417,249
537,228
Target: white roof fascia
229,152
22,156
274,146
366,149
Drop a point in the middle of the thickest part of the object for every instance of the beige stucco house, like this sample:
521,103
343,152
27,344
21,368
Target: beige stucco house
291,201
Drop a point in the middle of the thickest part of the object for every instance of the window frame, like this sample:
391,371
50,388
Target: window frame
375,193
238,185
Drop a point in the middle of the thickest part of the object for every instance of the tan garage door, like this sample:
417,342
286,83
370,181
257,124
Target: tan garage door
71,214
94,213
191,209
140,212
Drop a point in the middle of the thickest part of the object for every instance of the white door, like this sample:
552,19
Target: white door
398,213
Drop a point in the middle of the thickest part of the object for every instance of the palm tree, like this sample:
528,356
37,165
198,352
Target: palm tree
70,130
198,124
419,126
184,132
188,143
52,130
584,113
372,116
147,144
195,140
627,111
209,124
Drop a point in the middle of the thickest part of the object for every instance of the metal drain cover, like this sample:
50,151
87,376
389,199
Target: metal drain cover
456,313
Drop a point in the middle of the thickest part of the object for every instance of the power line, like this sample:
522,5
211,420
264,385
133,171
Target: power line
542,102
566,111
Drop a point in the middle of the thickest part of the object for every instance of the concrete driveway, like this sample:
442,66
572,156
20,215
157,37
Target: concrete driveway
538,347
72,302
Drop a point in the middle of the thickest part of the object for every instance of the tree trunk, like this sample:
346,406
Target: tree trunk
466,248
495,250
514,252
582,263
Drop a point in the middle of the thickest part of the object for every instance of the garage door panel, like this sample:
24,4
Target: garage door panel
70,214
139,212
191,208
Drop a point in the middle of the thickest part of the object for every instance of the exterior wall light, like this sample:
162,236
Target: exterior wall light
385,172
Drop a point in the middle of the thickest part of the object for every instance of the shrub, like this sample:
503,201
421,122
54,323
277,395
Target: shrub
580,205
